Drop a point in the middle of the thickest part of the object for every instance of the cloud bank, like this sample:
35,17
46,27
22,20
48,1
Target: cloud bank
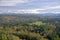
36,11
30,6
11,2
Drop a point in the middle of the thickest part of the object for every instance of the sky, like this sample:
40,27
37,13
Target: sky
30,6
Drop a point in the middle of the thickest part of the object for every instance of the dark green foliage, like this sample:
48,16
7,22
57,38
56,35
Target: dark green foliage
29,27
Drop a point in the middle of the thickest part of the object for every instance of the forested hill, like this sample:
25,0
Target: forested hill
27,14
29,26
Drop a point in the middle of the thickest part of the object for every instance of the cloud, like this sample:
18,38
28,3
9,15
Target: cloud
34,11
11,2
19,11
30,11
50,8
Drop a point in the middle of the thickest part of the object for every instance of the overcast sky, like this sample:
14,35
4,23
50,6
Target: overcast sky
30,6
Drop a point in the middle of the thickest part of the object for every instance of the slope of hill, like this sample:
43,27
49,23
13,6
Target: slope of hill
29,26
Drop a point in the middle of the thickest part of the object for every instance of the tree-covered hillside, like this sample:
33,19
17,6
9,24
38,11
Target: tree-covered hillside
29,27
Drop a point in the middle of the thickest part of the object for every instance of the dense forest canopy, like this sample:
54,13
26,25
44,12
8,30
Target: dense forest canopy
29,26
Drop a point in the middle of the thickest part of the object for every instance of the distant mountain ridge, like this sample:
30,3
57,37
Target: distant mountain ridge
44,14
